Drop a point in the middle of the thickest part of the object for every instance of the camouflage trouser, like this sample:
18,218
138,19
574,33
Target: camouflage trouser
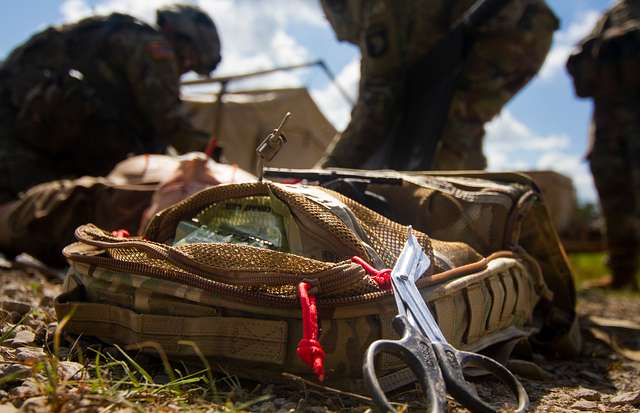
371,120
502,61
500,64
43,220
615,165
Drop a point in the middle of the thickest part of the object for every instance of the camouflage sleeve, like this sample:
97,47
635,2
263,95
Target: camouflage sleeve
152,72
345,18
606,62
581,62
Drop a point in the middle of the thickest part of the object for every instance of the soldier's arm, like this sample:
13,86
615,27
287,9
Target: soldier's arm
153,75
581,64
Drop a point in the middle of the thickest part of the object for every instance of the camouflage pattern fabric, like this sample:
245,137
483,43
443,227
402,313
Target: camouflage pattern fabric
606,67
507,53
42,221
615,165
474,311
76,99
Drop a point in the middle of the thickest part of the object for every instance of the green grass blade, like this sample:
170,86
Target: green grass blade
8,333
137,366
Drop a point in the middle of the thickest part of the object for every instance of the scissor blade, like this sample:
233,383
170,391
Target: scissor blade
420,311
412,263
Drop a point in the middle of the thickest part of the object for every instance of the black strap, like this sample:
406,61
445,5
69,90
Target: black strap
428,91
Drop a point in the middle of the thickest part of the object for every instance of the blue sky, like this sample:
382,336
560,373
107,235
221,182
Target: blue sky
544,127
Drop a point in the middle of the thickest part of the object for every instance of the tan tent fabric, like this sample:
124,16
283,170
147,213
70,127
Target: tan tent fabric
248,116
559,195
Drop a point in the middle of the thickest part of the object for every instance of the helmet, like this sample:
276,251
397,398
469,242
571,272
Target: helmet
193,24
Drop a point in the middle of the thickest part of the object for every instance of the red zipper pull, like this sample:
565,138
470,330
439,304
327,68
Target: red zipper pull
381,277
120,233
309,348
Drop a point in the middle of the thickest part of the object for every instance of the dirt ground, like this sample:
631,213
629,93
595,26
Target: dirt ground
33,380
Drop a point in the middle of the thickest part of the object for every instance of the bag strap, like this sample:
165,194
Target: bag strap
246,339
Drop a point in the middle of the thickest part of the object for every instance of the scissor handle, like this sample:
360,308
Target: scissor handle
452,362
418,355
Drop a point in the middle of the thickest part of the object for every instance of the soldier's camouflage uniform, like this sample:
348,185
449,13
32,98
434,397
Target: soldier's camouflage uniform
508,51
75,100
606,67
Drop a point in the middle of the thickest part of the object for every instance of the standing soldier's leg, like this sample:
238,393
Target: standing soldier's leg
504,59
370,121
380,83
615,166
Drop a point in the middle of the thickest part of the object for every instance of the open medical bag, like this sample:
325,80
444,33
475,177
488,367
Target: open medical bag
263,277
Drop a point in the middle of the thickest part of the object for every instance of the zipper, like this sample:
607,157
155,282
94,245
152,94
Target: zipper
336,207
328,284
339,276
321,235
324,240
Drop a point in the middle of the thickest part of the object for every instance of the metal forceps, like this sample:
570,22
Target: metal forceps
436,364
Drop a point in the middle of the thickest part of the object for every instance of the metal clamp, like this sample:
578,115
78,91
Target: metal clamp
270,146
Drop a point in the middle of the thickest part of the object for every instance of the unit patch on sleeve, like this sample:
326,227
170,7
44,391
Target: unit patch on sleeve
160,50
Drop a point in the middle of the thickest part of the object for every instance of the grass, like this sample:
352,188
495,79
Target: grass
115,380
9,333
589,266
110,381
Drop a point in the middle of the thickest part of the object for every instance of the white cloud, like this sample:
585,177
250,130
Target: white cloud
331,102
277,13
511,145
508,134
254,37
72,10
564,42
